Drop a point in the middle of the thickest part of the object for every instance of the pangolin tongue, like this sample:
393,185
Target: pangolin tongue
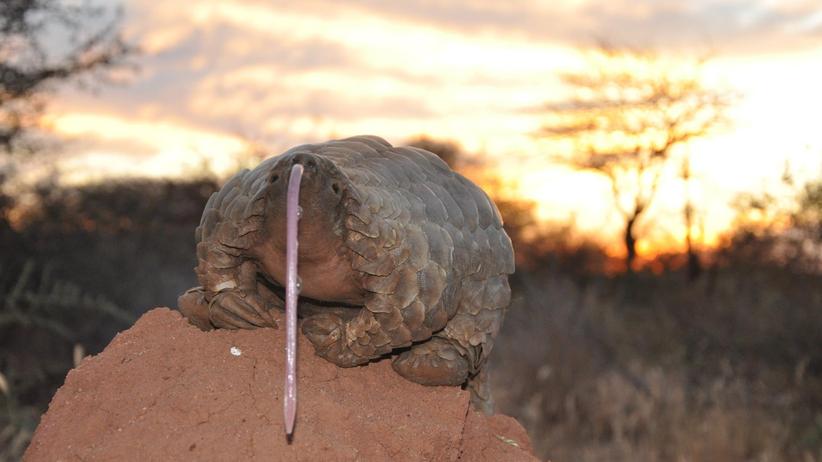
292,290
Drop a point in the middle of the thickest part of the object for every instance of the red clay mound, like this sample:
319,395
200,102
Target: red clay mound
163,390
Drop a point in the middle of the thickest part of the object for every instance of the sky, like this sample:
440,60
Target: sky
218,76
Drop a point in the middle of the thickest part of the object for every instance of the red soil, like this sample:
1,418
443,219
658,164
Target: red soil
163,390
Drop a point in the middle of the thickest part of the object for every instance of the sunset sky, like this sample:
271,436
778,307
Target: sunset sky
216,74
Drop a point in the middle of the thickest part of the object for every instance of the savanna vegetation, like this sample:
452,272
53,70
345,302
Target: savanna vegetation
597,364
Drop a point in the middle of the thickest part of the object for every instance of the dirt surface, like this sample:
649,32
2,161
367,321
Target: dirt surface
163,390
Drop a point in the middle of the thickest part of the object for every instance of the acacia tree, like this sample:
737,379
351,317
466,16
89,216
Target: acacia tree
629,113
42,43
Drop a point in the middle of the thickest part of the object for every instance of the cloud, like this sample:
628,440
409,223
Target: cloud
730,25
258,68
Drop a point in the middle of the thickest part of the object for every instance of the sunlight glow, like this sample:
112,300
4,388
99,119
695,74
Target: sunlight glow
178,149
399,77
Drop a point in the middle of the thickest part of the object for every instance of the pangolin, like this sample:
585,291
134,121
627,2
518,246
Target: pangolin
398,255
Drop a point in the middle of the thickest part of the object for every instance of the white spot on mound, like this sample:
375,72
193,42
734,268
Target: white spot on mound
236,351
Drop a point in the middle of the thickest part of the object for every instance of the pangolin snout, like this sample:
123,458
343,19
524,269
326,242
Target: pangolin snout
308,161
320,177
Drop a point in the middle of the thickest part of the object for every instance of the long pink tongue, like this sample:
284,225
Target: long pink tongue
292,291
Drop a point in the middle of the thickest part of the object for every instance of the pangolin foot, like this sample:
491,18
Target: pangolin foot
194,307
236,309
435,362
327,332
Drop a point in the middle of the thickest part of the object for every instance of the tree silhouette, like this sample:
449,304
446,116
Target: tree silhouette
448,151
43,42
628,113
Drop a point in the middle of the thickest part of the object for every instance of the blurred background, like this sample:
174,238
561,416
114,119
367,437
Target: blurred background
658,165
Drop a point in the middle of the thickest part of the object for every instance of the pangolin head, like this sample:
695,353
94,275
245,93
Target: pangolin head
322,190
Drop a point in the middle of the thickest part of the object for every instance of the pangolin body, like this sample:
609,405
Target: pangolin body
396,250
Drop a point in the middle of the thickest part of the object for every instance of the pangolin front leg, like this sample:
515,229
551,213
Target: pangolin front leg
402,307
347,343
457,354
438,361
404,302
231,298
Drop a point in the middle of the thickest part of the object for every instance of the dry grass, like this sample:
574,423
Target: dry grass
41,322
649,368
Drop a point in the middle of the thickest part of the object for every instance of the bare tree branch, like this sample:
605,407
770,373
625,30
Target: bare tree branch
629,112
46,42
